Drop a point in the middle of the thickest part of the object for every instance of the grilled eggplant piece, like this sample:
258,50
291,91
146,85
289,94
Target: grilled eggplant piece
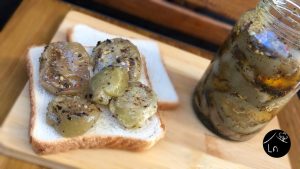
135,106
64,68
110,82
71,115
117,52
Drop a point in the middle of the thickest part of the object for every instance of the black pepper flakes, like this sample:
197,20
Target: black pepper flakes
131,62
118,60
66,85
46,47
59,107
124,50
81,114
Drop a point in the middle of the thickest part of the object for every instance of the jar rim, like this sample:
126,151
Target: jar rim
284,15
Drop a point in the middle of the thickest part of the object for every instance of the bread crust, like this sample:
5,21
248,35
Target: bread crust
167,105
69,35
82,142
92,142
31,94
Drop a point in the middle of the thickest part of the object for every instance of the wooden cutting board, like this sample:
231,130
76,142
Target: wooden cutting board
187,144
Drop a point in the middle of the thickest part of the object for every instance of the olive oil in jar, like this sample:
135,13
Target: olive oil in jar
254,74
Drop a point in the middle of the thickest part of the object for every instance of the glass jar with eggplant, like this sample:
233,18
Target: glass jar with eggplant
255,72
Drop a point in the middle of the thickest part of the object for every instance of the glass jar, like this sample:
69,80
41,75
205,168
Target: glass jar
254,74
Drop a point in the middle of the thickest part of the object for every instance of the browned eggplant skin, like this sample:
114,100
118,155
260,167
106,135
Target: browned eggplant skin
71,115
64,68
117,52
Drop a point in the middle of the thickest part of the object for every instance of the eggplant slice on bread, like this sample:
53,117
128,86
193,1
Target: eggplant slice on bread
65,71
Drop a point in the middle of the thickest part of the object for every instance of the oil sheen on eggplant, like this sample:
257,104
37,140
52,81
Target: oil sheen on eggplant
109,82
135,106
64,68
71,115
117,52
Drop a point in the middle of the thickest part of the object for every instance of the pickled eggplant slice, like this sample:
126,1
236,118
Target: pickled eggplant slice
117,52
135,106
64,68
71,115
110,82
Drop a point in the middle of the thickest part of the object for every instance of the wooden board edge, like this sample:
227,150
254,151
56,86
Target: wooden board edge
39,160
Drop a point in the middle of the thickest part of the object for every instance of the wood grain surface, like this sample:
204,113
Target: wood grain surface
289,119
188,144
34,22
26,28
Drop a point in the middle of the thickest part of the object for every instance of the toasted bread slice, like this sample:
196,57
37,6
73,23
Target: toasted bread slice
158,76
106,133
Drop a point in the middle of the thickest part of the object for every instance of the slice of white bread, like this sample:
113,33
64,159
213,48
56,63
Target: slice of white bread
106,133
158,76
